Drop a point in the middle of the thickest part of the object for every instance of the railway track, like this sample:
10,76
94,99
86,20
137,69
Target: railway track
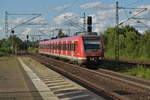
117,86
143,83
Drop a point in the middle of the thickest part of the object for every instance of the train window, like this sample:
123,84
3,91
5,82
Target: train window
92,44
67,47
63,46
54,46
60,46
71,47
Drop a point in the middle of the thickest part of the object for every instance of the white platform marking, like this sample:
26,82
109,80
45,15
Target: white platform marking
44,91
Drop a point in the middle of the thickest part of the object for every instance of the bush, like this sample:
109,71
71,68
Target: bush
3,54
31,49
5,50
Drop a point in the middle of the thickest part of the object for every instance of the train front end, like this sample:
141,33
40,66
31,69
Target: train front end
93,48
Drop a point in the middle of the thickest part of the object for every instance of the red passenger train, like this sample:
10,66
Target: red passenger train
82,49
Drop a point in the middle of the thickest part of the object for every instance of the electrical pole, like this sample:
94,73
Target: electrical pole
12,36
69,31
84,22
117,34
6,23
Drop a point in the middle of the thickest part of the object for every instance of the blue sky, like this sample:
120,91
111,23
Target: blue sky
53,12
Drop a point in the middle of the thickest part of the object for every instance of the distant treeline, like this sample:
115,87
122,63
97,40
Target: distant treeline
13,43
132,44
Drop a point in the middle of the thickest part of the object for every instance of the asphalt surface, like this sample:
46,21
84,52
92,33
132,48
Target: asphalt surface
14,82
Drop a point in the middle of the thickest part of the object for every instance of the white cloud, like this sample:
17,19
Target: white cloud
91,5
63,18
61,7
19,20
103,19
27,31
39,20
1,28
141,24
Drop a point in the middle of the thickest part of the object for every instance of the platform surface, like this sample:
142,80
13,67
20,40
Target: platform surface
14,82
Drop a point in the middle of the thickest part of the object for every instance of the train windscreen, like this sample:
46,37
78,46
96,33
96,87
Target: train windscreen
92,43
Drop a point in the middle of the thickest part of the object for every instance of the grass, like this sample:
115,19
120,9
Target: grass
139,71
111,55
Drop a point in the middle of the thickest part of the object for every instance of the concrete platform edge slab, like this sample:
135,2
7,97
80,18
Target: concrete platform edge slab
44,91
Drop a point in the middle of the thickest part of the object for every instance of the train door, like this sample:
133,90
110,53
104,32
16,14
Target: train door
69,48
66,47
59,48
52,47
72,48
76,50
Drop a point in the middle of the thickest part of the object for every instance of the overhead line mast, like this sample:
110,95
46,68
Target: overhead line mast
117,34
117,43
27,22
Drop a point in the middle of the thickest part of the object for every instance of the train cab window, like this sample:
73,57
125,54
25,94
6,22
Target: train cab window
91,44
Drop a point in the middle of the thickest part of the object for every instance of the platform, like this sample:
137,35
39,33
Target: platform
14,82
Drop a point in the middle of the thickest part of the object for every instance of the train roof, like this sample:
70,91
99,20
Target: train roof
68,38
62,39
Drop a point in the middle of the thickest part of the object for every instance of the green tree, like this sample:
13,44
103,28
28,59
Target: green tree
61,34
146,44
129,39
